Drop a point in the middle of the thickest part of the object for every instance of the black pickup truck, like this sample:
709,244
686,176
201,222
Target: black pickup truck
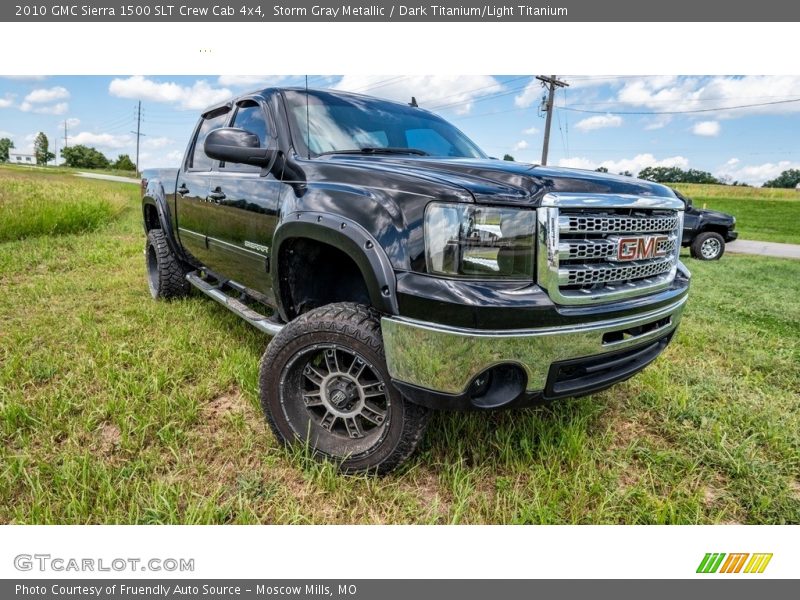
705,232
400,269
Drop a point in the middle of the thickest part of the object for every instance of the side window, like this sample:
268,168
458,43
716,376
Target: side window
200,161
250,117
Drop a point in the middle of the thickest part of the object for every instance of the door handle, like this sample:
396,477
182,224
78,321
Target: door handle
183,190
217,196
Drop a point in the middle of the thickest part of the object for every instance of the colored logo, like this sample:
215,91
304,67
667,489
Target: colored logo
638,248
738,562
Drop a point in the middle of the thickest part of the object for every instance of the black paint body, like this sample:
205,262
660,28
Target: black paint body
371,208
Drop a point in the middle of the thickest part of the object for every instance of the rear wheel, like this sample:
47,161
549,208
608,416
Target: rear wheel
324,383
166,274
708,246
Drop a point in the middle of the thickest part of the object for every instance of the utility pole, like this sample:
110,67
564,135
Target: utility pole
66,139
138,133
551,83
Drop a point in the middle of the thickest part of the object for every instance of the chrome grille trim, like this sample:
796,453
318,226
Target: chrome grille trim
611,224
575,249
613,272
577,259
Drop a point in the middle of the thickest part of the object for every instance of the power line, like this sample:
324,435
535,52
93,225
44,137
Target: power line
479,98
485,87
379,84
677,112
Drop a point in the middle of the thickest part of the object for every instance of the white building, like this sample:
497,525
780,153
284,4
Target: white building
20,158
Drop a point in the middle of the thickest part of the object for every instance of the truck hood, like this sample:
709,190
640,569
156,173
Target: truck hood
503,182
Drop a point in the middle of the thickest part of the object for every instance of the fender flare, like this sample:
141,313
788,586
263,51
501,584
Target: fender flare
159,202
349,237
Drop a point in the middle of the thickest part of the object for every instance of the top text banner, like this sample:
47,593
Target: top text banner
391,10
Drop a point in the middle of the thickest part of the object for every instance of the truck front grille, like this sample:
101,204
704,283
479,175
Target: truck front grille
600,248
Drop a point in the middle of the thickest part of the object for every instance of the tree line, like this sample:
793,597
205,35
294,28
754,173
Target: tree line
787,179
77,156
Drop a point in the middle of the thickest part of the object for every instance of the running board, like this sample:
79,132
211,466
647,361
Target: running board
237,307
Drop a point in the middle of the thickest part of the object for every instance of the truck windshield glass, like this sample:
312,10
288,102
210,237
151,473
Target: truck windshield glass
351,123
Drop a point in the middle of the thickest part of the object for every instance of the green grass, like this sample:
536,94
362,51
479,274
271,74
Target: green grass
63,170
118,409
32,204
763,214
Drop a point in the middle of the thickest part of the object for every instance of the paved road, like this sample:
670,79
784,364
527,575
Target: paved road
116,178
764,249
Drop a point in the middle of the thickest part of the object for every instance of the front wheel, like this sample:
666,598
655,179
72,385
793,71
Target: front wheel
708,246
166,275
324,383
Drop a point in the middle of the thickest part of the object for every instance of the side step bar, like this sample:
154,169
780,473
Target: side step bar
256,319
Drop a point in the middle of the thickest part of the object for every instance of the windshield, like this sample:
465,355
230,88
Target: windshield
356,123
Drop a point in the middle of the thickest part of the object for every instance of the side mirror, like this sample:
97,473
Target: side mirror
230,144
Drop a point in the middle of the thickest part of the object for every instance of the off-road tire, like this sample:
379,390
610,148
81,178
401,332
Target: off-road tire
166,274
708,240
355,331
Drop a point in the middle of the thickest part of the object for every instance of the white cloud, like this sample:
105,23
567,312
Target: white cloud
530,131
6,134
530,95
198,96
521,145
634,165
755,174
6,101
692,93
174,158
49,109
706,128
598,122
251,81
25,77
72,122
658,122
47,95
106,141
437,92
156,142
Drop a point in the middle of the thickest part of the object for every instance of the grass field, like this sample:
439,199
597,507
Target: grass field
48,203
765,214
118,409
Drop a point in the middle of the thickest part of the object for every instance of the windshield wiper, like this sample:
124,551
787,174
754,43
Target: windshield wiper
378,150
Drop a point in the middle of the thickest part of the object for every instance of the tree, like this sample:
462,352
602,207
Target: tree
6,144
788,179
84,157
41,149
626,173
601,170
508,157
676,175
124,163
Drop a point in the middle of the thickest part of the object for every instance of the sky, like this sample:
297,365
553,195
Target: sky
622,123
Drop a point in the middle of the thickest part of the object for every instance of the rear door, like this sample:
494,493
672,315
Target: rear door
245,202
194,179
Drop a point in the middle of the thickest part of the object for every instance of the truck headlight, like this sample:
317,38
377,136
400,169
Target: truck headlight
479,242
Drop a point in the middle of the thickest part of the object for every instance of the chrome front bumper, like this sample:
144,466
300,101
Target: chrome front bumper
448,360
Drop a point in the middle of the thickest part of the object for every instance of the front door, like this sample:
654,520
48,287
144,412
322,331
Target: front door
192,194
245,200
